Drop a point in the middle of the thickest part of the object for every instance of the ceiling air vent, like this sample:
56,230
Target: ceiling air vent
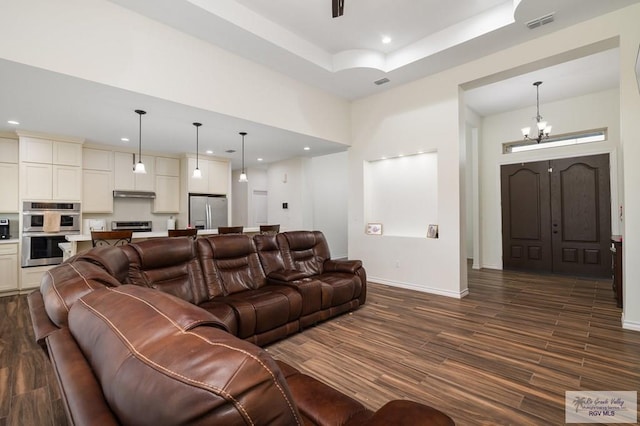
382,81
538,22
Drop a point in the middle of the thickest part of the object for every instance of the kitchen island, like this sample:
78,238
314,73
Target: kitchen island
81,242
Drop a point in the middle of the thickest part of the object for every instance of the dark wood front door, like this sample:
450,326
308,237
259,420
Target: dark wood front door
556,216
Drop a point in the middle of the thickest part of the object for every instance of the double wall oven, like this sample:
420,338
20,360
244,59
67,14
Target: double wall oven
44,226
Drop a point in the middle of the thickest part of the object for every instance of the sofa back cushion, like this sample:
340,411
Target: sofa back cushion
304,251
161,360
62,285
269,253
169,265
230,264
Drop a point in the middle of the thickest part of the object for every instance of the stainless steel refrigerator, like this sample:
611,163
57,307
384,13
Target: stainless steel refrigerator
207,211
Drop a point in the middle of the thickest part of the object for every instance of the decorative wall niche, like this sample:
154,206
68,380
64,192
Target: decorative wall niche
401,193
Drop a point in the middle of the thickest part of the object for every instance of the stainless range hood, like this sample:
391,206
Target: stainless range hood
134,194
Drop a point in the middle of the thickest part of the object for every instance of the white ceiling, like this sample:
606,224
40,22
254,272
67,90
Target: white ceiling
299,38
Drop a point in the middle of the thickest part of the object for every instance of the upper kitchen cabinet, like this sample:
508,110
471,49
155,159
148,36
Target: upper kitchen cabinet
167,185
215,176
50,169
123,177
97,181
9,175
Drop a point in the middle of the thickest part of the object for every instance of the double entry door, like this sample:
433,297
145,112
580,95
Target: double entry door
556,216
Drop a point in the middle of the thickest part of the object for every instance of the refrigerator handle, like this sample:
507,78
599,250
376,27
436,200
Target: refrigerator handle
208,216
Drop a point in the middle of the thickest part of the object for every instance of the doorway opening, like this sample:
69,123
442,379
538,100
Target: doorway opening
556,216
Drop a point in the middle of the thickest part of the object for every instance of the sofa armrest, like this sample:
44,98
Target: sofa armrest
402,412
349,266
287,275
42,325
81,393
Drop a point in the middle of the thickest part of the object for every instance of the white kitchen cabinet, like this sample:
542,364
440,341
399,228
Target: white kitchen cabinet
8,267
8,150
167,195
67,183
9,175
194,185
30,277
166,166
36,150
36,181
50,169
97,159
167,187
125,179
218,177
67,153
97,191
215,176
9,178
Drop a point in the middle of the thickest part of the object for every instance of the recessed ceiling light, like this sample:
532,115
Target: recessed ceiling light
124,139
400,155
209,151
383,158
306,148
386,39
259,159
14,122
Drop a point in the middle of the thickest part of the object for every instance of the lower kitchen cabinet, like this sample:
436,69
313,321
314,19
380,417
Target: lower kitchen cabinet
31,277
8,267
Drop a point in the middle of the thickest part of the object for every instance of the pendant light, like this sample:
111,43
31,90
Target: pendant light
543,130
139,168
197,174
243,173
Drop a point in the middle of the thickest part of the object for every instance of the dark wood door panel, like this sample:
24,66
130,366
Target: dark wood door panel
581,215
556,216
526,239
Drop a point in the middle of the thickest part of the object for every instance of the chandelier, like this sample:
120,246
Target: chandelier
543,130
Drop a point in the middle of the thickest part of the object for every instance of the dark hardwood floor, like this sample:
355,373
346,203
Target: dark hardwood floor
503,355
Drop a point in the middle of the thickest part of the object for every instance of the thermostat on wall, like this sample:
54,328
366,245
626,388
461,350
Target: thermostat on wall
285,205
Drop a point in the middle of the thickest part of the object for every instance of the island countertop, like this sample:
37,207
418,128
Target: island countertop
156,234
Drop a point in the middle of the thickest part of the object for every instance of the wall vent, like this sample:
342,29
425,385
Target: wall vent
538,22
382,81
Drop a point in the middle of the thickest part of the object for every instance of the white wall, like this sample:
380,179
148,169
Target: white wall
329,177
289,182
418,117
427,114
102,42
596,110
242,196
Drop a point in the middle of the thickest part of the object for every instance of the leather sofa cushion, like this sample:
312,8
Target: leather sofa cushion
304,251
172,268
269,253
230,262
111,259
260,310
69,282
207,377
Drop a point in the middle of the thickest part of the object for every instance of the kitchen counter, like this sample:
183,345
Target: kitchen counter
158,234
82,242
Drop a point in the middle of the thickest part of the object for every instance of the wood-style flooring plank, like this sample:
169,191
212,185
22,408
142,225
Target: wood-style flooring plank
504,355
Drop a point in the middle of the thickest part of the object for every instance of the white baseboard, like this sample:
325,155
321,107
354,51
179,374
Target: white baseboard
630,325
410,286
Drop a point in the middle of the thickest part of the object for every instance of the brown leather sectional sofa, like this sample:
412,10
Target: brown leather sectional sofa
134,354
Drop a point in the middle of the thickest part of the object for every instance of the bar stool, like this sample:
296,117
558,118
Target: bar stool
189,232
230,229
110,238
269,229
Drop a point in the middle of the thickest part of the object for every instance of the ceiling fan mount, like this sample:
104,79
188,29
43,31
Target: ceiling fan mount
338,8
